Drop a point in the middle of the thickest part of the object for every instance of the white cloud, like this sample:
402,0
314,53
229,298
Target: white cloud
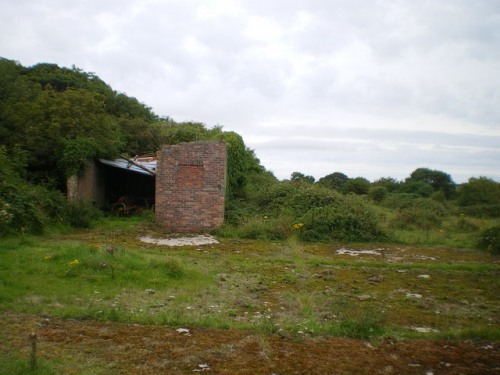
367,88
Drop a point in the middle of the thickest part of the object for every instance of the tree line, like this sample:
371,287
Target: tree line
479,195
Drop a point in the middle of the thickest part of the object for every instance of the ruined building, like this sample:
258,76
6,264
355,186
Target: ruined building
185,183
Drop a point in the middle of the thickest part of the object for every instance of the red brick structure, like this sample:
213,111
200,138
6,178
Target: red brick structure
190,186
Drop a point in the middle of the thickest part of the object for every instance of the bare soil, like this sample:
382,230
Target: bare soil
122,348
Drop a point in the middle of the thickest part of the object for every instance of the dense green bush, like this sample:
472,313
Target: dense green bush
348,219
308,197
489,240
420,213
465,225
417,217
81,214
482,210
358,185
419,188
396,201
377,193
25,208
273,197
312,212
402,201
479,191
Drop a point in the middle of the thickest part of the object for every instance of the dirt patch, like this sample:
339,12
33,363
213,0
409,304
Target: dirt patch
122,348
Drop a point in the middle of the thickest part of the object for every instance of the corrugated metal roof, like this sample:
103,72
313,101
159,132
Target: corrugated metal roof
141,164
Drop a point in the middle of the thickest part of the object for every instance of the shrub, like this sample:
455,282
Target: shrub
398,200
377,193
358,185
489,239
28,208
24,207
465,225
308,197
422,213
349,219
260,228
81,214
482,210
419,188
478,192
419,217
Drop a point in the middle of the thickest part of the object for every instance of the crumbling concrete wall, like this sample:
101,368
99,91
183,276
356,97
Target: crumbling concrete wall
190,186
86,186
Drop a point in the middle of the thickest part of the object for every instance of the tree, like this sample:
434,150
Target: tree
358,185
420,188
389,183
300,177
437,179
334,180
478,191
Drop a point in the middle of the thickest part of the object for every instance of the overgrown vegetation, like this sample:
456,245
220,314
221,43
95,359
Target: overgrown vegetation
283,287
282,268
54,121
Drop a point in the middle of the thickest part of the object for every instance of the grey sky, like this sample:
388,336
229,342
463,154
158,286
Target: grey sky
367,88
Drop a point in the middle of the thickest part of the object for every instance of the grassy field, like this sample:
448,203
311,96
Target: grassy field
289,290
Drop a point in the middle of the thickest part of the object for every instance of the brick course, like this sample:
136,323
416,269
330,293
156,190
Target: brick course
190,186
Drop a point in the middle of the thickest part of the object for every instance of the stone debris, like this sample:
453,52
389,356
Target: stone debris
413,295
424,276
202,367
426,257
364,297
183,331
181,241
376,278
424,329
355,253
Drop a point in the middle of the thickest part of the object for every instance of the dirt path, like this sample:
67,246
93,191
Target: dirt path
120,348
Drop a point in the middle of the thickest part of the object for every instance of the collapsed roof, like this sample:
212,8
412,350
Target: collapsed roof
139,164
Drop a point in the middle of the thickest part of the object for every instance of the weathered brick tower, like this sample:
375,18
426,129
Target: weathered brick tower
190,186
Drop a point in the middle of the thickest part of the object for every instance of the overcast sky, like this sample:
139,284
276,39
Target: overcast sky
364,87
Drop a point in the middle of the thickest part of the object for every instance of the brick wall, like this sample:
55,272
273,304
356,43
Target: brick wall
190,186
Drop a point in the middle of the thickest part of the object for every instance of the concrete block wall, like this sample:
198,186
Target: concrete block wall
86,186
190,186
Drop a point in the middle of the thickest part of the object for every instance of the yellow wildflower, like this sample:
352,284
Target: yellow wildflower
297,226
74,263
48,257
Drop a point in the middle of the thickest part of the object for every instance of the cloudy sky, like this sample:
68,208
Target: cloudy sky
364,87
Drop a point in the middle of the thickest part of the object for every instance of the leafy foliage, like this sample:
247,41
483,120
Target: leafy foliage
54,121
389,183
302,178
420,188
377,193
81,214
323,214
358,185
438,180
489,240
349,219
25,207
335,180
480,190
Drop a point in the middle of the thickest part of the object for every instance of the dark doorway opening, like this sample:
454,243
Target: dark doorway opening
119,184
